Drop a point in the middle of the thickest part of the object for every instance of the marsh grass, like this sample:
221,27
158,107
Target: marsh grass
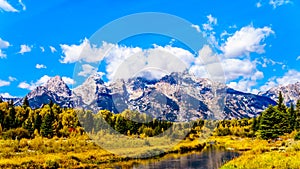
82,152
283,153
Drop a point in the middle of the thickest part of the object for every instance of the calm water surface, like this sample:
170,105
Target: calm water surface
211,158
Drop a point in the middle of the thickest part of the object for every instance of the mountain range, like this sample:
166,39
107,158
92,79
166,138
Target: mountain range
174,97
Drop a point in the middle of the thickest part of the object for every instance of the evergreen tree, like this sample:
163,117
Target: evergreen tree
120,124
28,125
47,126
37,121
255,124
25,102
292,116
273,123
280,103
297,120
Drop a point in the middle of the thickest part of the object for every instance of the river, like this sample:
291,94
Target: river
210,158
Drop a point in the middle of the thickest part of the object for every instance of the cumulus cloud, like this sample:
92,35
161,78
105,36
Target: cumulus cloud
42,81
258,4
40,66
246,84
212,21
290,77
5,6
246,41
7,95
10,78
52,49
125,60
68,80
4,83
84,52
196,27
277,3
87,70
3,44
25,49
25,85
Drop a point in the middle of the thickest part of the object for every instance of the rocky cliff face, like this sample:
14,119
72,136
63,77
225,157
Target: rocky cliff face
290,93
175,97
55,89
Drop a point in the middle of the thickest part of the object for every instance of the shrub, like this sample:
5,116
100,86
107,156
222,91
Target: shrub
297,136
17,133
51,164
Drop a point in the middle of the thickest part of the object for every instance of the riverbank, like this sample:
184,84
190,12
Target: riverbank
81,152
281,153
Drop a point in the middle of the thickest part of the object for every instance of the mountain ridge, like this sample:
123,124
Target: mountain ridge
174,97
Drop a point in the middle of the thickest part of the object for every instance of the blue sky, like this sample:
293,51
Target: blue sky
255,40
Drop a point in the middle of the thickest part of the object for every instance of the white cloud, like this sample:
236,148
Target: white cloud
124,62
25,49
246,84
84,52
24,85
42,49
5,6
246,41
3,44
4,83
298,58
121,57
290,77
212,21
277,3
23,5
40,66
258,4
267,61
224,33
7,95
10,78
68,81
219,68
52,49
235,68
87,70
196,27
233,26
42,81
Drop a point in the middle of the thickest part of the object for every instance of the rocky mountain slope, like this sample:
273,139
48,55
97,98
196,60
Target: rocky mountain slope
290,93
55,89
175,97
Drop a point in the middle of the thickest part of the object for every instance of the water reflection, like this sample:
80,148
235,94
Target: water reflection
211,158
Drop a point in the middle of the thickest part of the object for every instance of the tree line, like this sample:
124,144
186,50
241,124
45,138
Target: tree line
273,122
51,120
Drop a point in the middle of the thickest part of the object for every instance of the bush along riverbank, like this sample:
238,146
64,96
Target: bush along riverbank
77,152
281,153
